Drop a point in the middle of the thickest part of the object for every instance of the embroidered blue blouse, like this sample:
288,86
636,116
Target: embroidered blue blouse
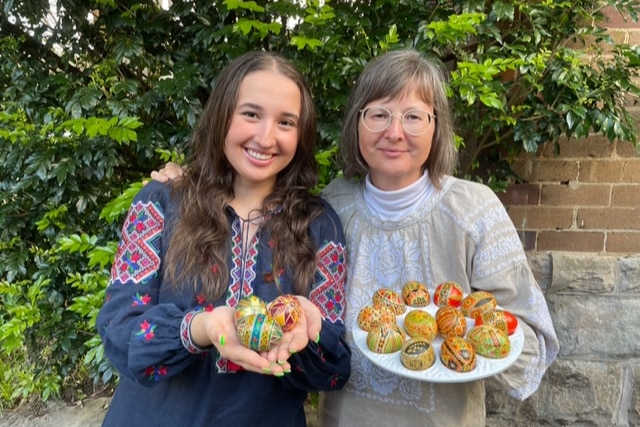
166,381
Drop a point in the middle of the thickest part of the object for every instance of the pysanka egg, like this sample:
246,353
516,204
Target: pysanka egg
390,298
448,293
489,341
451,321
477,302
285,310
501,319
385,338
417,354
416,294
258,331
419,323
370,316
251,304
458,354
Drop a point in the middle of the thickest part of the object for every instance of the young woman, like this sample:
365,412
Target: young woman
242,222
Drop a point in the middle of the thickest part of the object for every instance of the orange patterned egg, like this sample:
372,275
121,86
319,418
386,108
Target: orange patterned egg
251,304
415,294
419,323
259,331
417,354
477,302
489,341
370,316
448,293
389,298
502,319
385,338
458,354
451,322
285,310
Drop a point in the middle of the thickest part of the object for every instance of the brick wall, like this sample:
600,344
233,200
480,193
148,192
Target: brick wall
586,198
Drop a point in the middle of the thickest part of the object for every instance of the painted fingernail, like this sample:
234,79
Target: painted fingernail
267,370
287,371
221,340
279,374
281,362
317,340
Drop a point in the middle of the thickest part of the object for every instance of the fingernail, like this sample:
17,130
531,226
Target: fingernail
279,374
281,362
221,340
267,370
292,351
317,340
287,371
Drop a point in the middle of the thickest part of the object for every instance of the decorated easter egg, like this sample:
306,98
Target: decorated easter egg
451,321
448,293
419,323
285,310
389,298
477,302
251,304
385,338
457,354
501,319
489,341
417,354
370,316
416,294
258,331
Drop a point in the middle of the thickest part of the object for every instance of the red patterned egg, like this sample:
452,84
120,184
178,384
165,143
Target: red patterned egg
501,319
419,323
489,341
251,304
458,354
448,293
389,298
370,316
385,338
258,331
416,294
417,354
451,322
477,302
285,310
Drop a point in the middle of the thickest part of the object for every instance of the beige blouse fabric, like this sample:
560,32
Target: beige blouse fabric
462,233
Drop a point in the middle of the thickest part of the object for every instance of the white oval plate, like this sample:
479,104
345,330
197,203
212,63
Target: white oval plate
438,372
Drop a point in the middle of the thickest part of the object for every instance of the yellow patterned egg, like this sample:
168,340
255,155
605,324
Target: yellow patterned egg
489,341
285,310
370,316
477,302
417,354
451,322
419,323
415,294
251,304
258,331
389,298
458,354
385,338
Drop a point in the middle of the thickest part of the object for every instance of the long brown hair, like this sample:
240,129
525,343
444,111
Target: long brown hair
393,75
201,235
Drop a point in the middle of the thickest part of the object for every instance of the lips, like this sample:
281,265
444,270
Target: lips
258,156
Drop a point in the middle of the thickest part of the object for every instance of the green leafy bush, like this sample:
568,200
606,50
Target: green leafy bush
97,95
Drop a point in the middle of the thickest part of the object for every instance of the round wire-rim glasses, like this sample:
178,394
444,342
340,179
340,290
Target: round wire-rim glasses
415,121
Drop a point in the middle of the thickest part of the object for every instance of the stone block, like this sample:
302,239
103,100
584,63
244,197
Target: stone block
582,273
629,275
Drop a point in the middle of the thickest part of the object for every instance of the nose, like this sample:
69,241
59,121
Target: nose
395,130
265,134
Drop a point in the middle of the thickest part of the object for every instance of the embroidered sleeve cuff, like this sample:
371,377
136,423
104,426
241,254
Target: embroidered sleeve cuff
185,334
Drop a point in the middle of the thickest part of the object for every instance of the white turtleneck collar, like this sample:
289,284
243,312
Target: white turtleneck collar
397,204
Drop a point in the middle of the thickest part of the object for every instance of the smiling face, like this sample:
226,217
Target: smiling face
263,134
394,157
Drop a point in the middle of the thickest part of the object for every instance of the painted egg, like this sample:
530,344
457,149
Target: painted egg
385,338
501,319
489,341
477,302
370,316
448,293
458,354
390,298
451,322
415,294
417,354
258,331
251,304
285,310
419,323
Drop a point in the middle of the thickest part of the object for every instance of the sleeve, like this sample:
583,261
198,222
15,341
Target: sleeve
326,365
500,266
142,337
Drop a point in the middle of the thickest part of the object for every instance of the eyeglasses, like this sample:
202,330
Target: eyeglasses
414,122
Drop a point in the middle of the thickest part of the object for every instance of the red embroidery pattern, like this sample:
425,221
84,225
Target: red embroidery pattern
137,258
147,331
154,373
331,269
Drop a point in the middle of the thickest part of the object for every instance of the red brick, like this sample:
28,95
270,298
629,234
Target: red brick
555,170
541,217
576,241
625,195
623,242
608,218
616,20
575,195
521,194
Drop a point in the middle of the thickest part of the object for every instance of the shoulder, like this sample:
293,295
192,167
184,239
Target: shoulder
341,192
156,194
461,195
327,225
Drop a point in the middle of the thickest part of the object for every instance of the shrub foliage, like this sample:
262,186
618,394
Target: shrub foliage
95,94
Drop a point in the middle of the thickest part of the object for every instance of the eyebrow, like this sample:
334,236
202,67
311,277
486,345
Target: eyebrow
260,108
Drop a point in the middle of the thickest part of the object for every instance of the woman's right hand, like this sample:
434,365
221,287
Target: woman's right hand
169,172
